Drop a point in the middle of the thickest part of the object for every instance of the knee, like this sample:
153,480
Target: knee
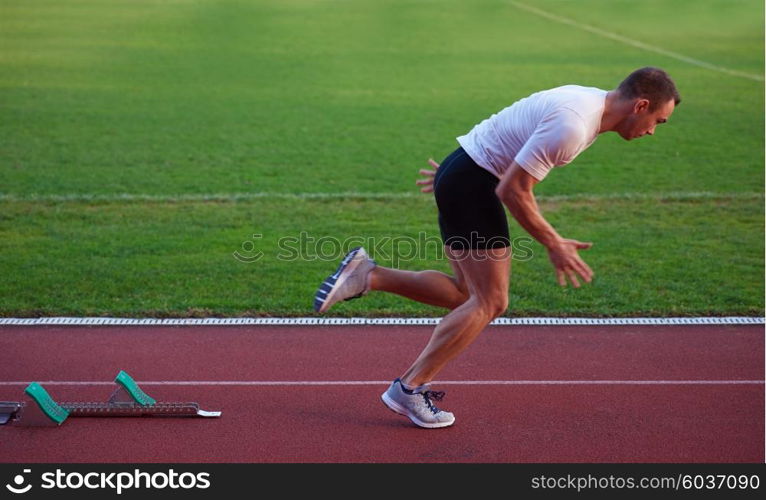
494,304
499,304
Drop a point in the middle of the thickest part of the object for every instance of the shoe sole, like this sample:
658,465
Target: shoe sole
350,267
397,408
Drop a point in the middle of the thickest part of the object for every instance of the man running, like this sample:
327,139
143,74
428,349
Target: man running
498,163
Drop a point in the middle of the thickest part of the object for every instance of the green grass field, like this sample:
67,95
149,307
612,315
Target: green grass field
144,142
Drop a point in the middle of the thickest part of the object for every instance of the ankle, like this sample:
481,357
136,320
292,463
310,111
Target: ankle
372,279
410,387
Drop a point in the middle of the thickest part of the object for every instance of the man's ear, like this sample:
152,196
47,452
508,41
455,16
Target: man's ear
641,105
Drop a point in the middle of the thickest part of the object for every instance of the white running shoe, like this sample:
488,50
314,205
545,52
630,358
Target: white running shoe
417,405
348,282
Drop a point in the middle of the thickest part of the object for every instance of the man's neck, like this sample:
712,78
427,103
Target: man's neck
614,112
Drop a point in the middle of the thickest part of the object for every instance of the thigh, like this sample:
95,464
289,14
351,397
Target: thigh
485,272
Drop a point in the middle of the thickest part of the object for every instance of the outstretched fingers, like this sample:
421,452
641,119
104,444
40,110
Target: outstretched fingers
583,270
571,266
563,274
428,182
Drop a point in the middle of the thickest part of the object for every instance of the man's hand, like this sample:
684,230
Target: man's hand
428,182
568,263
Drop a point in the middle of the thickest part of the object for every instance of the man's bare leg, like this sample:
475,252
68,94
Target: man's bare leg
486,274
429,287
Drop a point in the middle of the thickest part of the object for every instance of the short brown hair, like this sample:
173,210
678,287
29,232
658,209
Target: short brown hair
650,83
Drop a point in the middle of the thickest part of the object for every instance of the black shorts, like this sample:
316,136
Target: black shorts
470,213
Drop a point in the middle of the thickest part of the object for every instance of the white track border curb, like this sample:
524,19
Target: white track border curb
70,321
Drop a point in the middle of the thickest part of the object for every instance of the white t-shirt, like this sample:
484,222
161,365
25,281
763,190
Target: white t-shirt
545,130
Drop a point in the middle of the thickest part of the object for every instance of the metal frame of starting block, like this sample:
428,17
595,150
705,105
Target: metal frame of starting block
127,400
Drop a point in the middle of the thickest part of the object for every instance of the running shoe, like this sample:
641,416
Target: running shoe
348,282
417,405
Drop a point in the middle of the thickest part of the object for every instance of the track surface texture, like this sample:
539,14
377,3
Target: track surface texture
539,394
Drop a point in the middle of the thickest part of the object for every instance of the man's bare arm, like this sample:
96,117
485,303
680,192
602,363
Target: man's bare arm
515,190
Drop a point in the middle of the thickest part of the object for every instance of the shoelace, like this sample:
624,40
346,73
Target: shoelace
435,395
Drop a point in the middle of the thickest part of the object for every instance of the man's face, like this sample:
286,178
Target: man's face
642,122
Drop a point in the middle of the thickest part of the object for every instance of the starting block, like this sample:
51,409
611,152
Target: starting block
127,400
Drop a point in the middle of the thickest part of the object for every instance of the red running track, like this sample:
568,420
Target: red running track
512,422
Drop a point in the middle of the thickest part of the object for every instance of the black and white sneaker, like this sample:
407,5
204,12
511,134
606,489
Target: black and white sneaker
348,282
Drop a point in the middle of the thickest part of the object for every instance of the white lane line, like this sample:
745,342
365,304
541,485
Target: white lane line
285,383
309,321
235,197
635,43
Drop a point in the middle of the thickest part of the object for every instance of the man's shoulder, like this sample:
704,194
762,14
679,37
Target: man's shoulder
576,106
576,89
567,121
575,96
